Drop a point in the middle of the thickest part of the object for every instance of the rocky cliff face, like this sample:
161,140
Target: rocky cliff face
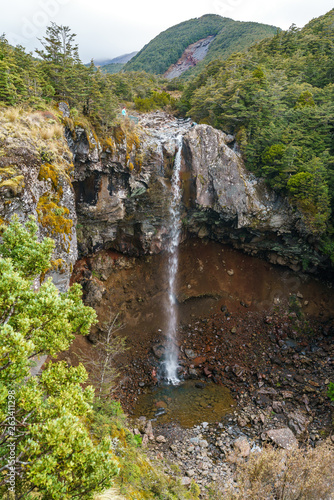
119,190
122,192
35,169
230,205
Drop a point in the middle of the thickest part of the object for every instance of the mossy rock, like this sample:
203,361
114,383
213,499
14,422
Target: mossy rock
7,172
53,216
13,186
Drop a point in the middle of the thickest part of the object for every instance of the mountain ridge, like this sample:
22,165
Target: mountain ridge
122,59
167,48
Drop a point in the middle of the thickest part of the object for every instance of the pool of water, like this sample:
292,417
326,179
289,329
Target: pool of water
186,404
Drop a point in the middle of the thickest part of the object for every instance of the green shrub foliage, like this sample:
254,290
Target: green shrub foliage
45,440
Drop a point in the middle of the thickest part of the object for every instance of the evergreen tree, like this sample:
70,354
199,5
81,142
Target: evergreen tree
61,61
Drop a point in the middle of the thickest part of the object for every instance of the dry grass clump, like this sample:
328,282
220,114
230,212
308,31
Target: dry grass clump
41,130
286,475
111,494
52,131
12,114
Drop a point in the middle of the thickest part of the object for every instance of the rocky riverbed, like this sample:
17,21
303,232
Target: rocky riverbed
263,333
278,377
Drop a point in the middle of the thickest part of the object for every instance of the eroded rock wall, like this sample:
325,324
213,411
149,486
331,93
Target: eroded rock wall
231,205
117,192
122,203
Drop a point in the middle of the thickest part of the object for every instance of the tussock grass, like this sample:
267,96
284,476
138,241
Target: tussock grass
51,131
12,114
41,131
286,475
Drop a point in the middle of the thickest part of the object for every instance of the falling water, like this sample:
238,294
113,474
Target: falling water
160,153
171,354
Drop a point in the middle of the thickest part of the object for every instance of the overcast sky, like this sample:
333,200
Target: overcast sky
108,28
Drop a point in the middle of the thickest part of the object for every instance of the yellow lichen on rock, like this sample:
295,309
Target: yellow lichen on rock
52,215
48,171
108,145
13,186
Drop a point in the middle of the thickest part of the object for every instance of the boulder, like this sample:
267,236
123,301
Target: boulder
144,442
190,353
242,447
284,438
298,423
158,351
186,481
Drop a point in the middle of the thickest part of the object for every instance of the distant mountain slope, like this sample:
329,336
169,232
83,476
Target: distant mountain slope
123,59
114,65
235,38
167,48
112,68
190,58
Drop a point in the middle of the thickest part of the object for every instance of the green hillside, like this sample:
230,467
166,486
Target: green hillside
168,46
112,68
234,37
278,99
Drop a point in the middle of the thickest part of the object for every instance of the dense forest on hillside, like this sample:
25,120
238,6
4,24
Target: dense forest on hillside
166,48
58,74
112,68
232,38
278,99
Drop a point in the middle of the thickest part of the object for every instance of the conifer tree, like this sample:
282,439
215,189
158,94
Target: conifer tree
61,60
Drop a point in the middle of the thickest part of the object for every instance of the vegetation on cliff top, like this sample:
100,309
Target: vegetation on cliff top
276,97
59,75
166,48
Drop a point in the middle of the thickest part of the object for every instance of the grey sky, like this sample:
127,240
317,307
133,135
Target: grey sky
107,28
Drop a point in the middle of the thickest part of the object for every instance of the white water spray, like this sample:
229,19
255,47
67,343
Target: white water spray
171,353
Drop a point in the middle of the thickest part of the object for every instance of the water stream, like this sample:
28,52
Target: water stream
171,352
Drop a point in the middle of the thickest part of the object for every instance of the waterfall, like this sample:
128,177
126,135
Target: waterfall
171,353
